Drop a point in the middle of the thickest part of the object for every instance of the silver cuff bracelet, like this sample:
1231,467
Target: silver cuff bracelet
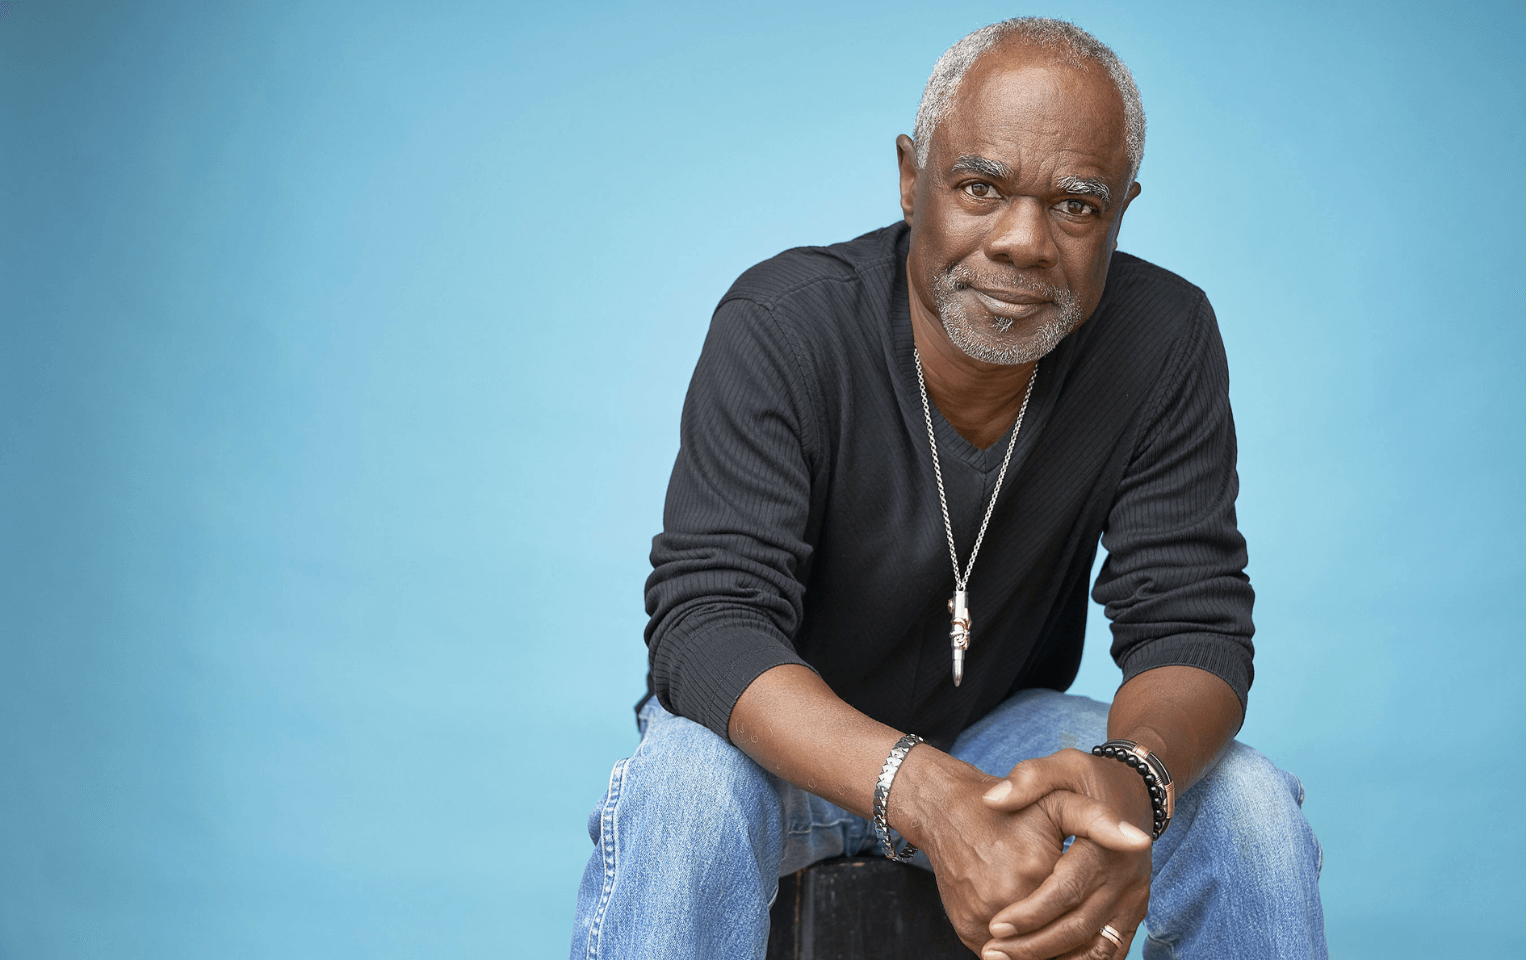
882,795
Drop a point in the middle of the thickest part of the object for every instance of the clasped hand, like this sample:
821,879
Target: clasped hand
1009,885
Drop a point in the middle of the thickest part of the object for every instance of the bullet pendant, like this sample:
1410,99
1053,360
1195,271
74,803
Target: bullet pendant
959,633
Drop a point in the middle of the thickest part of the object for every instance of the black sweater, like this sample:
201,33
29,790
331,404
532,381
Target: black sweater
802,521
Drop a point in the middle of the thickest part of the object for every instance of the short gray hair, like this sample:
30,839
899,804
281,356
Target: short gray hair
1072,45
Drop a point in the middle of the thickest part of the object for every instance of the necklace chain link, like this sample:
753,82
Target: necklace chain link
932,441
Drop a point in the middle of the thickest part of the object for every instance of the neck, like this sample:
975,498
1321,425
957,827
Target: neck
978,399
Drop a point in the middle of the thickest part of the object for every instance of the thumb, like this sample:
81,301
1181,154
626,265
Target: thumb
1081,816
1029,782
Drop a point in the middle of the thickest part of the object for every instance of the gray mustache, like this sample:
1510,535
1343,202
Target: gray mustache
964,279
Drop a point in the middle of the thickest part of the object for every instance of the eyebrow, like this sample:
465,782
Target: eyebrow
971,163
1088,187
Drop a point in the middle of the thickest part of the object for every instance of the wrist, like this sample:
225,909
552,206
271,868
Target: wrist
1125,790
928,788
1150,771
882,787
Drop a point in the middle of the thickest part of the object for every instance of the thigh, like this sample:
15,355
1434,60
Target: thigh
816,829
703,777
692,780
1239,856
1028,724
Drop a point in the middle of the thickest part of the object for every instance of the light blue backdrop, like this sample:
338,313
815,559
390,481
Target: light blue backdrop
343,346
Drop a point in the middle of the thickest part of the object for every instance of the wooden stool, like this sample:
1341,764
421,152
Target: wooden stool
861,908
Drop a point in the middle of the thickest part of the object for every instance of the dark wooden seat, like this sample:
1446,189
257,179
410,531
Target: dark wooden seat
849,908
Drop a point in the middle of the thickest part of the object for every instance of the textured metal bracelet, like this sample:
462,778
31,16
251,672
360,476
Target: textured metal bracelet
882,795
1156,777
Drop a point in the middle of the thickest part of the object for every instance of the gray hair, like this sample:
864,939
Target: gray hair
1072,45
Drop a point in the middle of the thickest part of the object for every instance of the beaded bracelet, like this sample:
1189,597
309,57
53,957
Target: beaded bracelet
882,795
1157,779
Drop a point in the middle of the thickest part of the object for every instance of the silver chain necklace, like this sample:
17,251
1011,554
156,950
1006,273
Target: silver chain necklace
959,607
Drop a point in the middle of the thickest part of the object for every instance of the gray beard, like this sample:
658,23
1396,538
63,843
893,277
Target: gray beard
983,340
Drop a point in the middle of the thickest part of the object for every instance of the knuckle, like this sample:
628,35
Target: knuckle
1027,769
1071,891
999,898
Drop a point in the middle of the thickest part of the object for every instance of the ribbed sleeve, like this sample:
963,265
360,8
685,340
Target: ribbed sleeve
1173,583
724,597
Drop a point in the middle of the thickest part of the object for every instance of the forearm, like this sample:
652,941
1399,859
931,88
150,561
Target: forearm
794,726
1185,715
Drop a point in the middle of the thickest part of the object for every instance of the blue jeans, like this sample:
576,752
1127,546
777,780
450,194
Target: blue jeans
692,837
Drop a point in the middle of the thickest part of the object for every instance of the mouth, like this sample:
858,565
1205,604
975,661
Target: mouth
1004,317
1009,304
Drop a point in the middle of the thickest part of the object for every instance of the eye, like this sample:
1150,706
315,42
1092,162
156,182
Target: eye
981,190
1076,207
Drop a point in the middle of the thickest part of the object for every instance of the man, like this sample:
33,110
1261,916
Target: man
898,455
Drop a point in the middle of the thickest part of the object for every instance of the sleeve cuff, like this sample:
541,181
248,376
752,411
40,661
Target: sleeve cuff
1224,657
704,686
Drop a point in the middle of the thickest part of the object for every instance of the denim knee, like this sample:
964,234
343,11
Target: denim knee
1237,872
688,784
1255,810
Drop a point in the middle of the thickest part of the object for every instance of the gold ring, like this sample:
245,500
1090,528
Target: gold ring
1111,934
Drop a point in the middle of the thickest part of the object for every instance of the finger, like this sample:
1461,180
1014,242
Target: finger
1054,898
1081,816
1077,934
1074,935
1126,933
1101,948
1078,899
1028,782
1096,948
1080,876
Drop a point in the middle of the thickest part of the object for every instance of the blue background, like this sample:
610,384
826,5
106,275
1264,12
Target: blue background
341,354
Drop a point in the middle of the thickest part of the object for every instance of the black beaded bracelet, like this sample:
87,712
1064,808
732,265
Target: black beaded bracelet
1157,779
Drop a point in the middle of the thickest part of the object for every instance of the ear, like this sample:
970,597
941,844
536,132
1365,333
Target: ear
1134,191
906,161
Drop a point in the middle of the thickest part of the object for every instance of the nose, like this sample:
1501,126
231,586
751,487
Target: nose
1020,235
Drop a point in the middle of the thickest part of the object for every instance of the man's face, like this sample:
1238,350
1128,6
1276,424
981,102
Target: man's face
1016,213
